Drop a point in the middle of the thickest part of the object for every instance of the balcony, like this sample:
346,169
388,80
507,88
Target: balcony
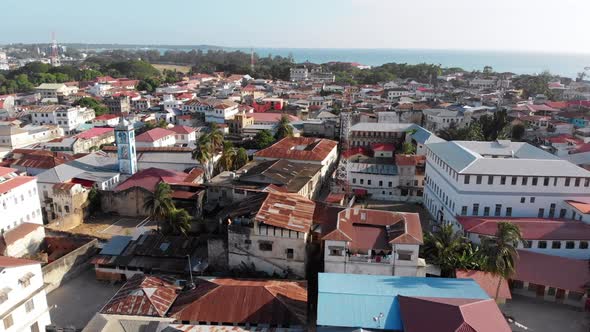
369,260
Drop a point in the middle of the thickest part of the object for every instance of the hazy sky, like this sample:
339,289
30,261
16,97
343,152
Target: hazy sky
534,25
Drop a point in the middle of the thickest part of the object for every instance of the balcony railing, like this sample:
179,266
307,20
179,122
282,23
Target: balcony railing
368,259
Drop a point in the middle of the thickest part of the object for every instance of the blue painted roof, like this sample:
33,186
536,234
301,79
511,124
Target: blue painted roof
352,300
116,245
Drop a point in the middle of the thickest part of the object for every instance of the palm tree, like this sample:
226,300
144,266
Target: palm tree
228,156
284,128
241,158
178,222
203,153
215,137
501,252
159,203
442,247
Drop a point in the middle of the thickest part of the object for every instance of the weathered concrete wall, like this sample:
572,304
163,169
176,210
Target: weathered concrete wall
217,254
126,203
68,222
68,266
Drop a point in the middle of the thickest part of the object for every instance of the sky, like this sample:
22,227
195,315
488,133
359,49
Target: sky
525,25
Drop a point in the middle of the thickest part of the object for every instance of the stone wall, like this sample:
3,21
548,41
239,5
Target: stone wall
68,266
217,254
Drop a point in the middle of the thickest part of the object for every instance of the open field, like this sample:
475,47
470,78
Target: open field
179,68
106,226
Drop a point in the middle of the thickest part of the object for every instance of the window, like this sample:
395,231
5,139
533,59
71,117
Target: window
265,246
404,255
522,199
542,244
528,244
502,180
556,245
570,245
464,210
535,180
29,305
508,212
362,181
532,199
354,180
541,213
380,183
35,327
290,253
513,181
562,213
486,211
577,182
498,210
8,322
478,179
567,182
552,210
368,182
336,251
524,180
390,184
586,182
490,179
466,179
475,209
545,182
583,245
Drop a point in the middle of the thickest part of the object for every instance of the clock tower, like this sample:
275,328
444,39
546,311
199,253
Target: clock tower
126,154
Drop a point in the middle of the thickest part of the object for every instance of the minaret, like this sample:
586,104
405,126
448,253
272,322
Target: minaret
126,154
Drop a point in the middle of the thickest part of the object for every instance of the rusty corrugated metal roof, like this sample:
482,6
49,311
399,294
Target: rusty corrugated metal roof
299,148
237,301
290,211
143,296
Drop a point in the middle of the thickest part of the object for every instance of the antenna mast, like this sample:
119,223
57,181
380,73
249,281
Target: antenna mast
54,59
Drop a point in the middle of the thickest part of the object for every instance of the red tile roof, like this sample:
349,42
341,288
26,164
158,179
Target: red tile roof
143,296
183,129
140,149
383,147
6,170
15,182
154,135
530,228
487,281
299,148
408,160
557,104
373,229
580,206
236,301
552,271
6,262
451,315
95,132
149,179
355,151
290,211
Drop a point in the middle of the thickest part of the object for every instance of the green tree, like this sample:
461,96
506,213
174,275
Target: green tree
241,158
442,247
89,102
408,148
94,202
284,128
263,139
228,155
159,203
517,132
475,132
177,222
501,252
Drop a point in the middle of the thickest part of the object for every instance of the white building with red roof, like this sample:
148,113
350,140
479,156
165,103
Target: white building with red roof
186,136
23,300
364,241
106,120
157,137
558,237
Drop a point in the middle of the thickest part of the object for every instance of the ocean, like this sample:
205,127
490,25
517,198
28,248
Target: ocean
567,65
